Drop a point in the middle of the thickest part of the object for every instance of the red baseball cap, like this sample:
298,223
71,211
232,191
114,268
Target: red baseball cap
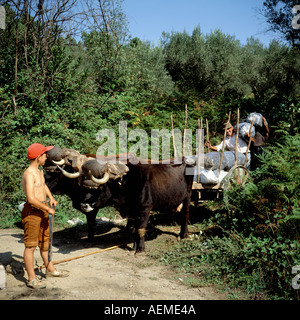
36,150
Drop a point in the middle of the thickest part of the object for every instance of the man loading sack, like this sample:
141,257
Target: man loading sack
230,144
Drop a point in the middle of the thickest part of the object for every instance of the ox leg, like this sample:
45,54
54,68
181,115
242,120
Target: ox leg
184,232
91,219
140,231
129,225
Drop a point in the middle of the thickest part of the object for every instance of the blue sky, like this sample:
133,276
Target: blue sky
149,18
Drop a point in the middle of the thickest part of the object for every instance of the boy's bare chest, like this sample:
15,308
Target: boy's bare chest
39,180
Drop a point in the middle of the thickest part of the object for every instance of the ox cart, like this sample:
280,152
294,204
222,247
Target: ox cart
201,192
238,174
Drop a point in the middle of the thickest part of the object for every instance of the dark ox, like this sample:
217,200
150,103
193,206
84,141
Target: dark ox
134,189
70,162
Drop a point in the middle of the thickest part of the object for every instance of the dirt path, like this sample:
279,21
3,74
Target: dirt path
111,275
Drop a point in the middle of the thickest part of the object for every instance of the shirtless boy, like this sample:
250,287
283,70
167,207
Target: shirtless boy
35,215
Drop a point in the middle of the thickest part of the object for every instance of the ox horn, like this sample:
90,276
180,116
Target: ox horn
59,163
101,181
68,174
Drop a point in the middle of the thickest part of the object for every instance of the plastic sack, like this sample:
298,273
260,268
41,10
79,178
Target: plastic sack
258,121
229,157
212,177
21,206
244,128
212,161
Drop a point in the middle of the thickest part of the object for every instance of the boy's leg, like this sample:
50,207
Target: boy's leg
49,265
44,242
31,220
51,271
28,261
44,245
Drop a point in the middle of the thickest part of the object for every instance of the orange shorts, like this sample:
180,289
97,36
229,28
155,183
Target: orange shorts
36,227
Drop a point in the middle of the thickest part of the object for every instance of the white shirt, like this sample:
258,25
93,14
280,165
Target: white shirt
230,144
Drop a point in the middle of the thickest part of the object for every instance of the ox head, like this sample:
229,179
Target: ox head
63,167
96,182
58,158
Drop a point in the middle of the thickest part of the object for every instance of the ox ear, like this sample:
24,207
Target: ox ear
116,170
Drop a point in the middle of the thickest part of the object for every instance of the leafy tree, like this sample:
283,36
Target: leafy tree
210,64
270,71
279,16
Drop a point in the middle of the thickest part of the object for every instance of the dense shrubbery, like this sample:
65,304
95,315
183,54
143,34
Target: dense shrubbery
258,229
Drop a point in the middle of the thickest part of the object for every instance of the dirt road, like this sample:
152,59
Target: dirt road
111,275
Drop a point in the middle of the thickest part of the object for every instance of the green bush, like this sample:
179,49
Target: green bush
269,204
258,230
261,267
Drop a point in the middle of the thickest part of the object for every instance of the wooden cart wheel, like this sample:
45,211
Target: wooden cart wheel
237,175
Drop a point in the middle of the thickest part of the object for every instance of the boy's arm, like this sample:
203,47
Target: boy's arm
49,195
29,192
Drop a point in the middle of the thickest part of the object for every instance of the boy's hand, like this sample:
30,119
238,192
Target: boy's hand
51,211
53,203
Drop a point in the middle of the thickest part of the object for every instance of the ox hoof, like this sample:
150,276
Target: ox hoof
139,250
140,253
186,236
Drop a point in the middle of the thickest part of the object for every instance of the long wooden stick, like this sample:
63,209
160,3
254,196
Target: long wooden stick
199,149
237,136
81,256
207,134
236,172
223,147
184,132
249,143
173,137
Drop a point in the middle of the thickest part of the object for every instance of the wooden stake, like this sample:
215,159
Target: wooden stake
223,147
249,143
237,178
199,150
173,137
237,136
207,134
184,132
